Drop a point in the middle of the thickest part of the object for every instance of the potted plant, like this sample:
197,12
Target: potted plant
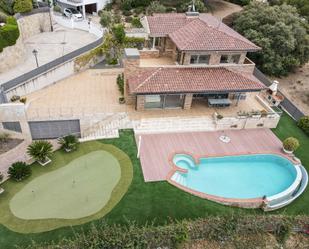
68,143
19,171
290,145
40,151
255,114
121,100
242,114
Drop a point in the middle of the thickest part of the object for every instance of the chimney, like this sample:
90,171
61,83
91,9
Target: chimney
274,87
131,62
192,13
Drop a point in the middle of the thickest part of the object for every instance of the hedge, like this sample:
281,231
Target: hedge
22,6
220,229
9,33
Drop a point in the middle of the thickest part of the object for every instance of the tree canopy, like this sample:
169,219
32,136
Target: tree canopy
280,32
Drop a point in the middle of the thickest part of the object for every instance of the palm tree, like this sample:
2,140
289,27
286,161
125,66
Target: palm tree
40,151
68,143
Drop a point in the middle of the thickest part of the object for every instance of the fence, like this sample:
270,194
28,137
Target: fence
286,104
48,66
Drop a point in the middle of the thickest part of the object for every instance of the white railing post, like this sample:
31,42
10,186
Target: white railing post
139,146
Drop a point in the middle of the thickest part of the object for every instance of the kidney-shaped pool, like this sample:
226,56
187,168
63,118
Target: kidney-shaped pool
241,177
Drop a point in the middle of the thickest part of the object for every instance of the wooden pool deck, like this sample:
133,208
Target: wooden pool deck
157,149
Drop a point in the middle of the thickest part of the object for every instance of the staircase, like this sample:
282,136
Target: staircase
106,128
174,124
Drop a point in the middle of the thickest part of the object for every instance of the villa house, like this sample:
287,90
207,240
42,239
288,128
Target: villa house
189,58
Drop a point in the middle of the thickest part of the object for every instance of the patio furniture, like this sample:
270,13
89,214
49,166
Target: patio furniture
219,102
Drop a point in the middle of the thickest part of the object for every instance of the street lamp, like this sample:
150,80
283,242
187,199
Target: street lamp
35,53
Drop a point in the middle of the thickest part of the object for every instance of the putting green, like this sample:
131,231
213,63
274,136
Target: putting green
79,189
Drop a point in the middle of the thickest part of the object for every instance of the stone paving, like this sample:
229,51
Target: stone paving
50,46
86,93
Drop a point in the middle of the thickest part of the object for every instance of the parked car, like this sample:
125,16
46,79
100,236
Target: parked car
73,13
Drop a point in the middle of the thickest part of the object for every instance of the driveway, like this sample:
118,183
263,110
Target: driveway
50,46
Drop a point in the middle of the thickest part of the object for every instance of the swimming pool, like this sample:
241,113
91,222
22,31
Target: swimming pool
238,177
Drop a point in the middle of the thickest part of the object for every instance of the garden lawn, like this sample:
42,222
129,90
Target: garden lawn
159,201
288,128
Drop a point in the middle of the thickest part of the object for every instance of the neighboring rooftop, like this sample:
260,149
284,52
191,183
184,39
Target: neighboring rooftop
188,79
202,32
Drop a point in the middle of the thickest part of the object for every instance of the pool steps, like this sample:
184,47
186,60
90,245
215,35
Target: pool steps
299,190
179,178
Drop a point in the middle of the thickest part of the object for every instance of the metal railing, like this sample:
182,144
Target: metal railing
48,66
286,104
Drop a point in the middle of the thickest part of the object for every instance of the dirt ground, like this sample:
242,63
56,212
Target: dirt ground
296,88
222,9
9,144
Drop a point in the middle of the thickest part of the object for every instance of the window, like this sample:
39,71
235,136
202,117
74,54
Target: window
224,59
233,58
204,59
200,59
194,59
153,101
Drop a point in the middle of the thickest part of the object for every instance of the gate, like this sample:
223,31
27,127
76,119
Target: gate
54,129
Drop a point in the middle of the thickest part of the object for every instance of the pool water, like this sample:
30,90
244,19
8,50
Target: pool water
246,176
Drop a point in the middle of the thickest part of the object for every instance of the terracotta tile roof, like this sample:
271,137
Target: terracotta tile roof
164,24
191,79
204,32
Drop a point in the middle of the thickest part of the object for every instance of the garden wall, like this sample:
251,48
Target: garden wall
29,25
15,112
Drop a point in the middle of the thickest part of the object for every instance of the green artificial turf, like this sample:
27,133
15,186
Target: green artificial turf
288,128
97,189
81,188
159,201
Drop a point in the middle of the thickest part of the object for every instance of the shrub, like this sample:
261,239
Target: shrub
106,19
156,7
127,13
68,143
4,137
119,33
7,6
9,33
19,171
139,10
108,6
303,123
57,8
136,22
126,5
134,42
22,6
290,144
40,150
120,83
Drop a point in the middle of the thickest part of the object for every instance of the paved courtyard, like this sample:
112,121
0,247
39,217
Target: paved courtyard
86,93
50,46
157,149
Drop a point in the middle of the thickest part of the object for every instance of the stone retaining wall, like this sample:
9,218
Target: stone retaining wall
28,26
